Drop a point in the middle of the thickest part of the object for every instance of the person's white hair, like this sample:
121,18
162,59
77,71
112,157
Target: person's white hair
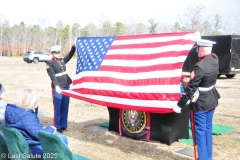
27,98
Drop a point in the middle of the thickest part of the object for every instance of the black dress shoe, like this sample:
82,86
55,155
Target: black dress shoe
64,129
60,130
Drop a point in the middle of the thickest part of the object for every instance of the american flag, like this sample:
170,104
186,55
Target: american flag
134,72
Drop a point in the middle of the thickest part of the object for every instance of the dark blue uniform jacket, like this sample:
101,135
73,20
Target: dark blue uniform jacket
205,74
57,66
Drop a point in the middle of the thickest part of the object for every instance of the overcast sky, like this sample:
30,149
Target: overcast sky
126,11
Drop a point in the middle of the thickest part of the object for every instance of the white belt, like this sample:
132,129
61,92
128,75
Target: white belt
60,74
205,89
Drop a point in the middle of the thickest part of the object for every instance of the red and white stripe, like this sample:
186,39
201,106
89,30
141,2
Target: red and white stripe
139,72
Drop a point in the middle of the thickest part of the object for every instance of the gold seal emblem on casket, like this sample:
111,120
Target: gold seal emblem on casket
133,121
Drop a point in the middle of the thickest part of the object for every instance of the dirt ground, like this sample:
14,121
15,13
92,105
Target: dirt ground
98,144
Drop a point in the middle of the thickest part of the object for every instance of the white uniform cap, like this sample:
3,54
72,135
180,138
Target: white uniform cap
205,43
56,48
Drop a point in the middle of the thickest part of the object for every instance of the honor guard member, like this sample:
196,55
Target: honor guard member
202,82
56,70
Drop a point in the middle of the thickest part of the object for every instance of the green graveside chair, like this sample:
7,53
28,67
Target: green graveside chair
3,146
51,143
16,144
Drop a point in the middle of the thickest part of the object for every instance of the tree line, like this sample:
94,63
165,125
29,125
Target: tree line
19,38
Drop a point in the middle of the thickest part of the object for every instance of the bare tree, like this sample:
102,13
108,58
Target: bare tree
107,29
51,35
130,27
140,28
217,25
191,20
59,27
153,26
164,27
102,20
2,19
43,23
176,27
23,39
26,36
76,28
228,27
14,34
237,19
92,29
206,28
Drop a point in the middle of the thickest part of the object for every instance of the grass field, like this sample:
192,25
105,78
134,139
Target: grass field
105,145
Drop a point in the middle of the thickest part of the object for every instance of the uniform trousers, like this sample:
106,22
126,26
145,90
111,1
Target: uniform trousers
203,133
61,105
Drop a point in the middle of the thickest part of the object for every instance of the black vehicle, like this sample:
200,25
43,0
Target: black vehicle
227,48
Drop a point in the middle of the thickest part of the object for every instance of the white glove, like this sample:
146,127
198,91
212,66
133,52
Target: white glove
177,109
58,89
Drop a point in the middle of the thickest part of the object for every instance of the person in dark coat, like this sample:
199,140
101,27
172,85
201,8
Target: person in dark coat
203,97
22,116
56,69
